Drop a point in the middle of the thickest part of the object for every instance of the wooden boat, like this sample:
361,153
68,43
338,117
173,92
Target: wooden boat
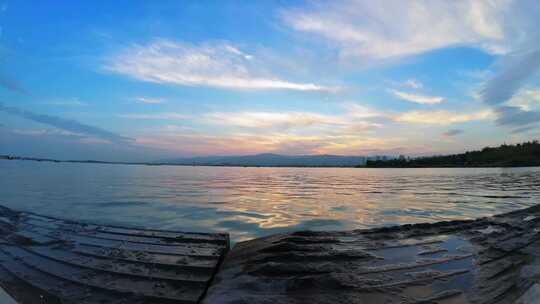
489,260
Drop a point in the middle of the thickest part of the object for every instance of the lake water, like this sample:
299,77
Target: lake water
253,202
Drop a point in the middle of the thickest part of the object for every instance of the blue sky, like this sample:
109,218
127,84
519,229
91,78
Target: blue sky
143,80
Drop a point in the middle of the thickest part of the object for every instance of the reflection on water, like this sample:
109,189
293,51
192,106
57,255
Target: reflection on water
251,202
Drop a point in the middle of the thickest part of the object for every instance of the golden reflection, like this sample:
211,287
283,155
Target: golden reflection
253,202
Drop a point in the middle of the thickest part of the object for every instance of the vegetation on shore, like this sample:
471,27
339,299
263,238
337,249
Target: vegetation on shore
38,159
518,155
523,154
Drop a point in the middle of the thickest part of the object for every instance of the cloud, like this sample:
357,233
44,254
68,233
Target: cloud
155,116
517,69
413,83
526,99
250,143
417,98
380,30
434,117
48,132
357,130
61,144
293,123
211,65
453,132
504,91
440,117
524,129
254,132
65,124
148,100
73,102
264,120
361,112
516,117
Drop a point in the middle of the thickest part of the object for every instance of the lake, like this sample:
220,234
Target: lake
253,202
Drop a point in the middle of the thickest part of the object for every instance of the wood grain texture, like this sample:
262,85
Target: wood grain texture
48,260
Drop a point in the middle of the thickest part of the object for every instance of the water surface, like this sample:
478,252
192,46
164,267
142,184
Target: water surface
252,202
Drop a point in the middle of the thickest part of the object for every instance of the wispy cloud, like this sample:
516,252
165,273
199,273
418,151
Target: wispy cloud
249,143
299,123
149,100
65,124
361,112
417,98
453,132
211,65
440,117
73,102
47,132
413,83
154,116
526,99
356,130
431,117
275,120
524,129
374,29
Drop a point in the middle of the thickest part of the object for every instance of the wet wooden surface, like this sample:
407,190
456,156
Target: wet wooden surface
490,260
47,260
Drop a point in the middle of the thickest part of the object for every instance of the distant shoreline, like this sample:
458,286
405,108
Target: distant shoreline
525,154
449,166
5,157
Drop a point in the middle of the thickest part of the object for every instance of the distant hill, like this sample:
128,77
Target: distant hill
259,160
524,154
271,160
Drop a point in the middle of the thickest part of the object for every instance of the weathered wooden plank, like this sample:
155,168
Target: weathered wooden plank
33,286
68,262
187,293
490,260
163,259
138,269
187,250
206,238
81,230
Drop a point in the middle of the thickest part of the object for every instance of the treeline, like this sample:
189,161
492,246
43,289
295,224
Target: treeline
524,154
10,157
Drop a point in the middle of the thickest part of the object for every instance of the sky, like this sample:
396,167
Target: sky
146,80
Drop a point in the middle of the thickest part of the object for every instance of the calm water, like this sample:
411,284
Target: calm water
252,202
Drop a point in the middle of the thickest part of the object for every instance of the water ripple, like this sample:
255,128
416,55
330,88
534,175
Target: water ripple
252,202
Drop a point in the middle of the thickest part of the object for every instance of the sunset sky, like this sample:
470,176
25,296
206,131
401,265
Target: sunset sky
144,80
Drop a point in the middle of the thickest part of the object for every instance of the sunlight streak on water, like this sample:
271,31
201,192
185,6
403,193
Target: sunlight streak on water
252,202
